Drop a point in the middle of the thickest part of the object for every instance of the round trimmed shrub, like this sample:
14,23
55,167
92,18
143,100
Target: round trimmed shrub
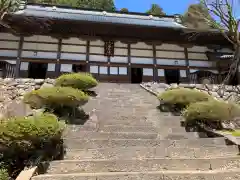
4,174
82,81
55,97
180,98
25,139
211,111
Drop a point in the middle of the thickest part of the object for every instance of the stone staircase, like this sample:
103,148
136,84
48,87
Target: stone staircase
129,139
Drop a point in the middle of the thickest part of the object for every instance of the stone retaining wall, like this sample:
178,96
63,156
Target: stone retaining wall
12,91
227,93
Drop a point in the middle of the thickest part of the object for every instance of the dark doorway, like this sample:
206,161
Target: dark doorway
79,68
172,76
37,70
136,75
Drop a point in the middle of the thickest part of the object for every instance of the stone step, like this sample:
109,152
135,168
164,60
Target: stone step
187,143
109,135
179,136
145,152
136,165
159,175
117,128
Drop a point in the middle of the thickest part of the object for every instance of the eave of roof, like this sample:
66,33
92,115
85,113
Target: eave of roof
54,12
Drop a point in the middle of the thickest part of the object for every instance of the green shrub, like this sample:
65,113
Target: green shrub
82,81
211,111
27,138
182,97
4,174
236,133
55,97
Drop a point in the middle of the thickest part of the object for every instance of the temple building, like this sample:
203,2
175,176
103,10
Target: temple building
41,41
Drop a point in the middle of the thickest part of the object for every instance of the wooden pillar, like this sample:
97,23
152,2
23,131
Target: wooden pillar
187,63
19,54
129,61
87,56
58,64
155,71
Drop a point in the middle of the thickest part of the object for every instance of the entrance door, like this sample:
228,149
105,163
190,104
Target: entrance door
172,76
78,68
37,70
136,75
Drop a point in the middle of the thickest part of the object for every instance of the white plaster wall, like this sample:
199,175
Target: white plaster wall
120,51
74,48
66,68
119,59
40,46
7,36
137,60
170,47
171,62
39,38
169,54
9,44
74,41
97,50
141,45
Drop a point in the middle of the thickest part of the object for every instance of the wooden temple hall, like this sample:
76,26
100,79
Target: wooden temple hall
41,41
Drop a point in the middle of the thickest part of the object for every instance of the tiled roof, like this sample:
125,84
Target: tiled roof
100,17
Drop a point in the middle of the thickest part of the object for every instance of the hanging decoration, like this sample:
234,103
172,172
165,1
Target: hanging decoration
109,48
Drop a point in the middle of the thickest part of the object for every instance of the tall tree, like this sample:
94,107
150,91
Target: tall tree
107,5
155,10
227,23
192,19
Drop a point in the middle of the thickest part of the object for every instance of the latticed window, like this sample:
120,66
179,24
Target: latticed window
109,48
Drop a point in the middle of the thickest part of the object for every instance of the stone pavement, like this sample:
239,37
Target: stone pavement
127,138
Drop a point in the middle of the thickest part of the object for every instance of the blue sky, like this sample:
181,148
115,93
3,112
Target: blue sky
169,6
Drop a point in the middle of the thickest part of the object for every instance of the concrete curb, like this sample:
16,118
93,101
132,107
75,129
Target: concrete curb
149,90
27,174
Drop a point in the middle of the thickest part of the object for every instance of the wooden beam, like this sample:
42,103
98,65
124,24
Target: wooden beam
155,70
58,65
187,63
18,63
129,61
